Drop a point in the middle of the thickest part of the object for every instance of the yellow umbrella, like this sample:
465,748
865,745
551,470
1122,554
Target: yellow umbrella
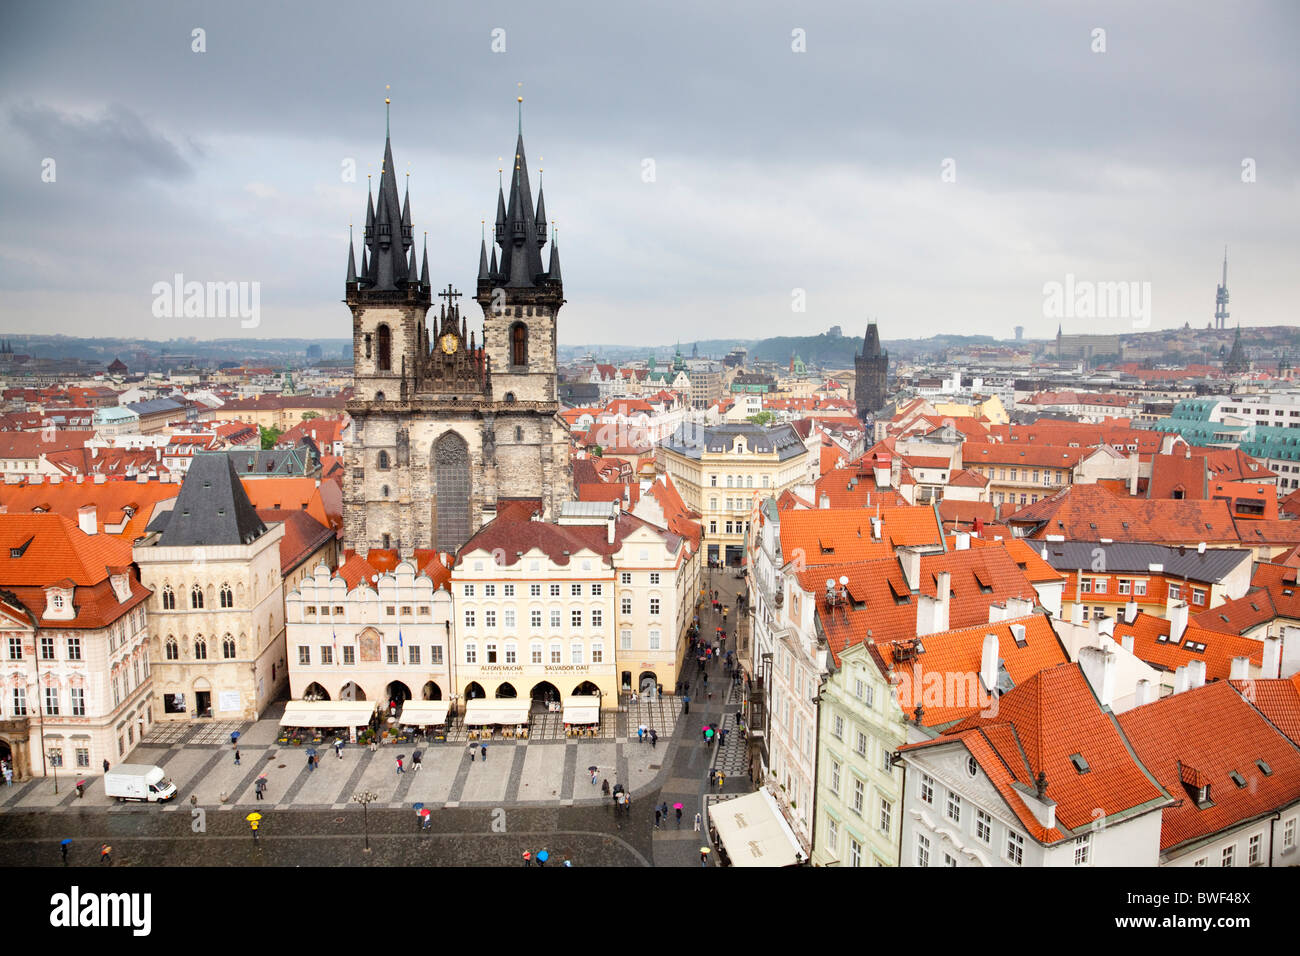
253,817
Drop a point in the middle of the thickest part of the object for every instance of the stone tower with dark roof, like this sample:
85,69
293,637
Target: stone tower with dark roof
448,421
871,375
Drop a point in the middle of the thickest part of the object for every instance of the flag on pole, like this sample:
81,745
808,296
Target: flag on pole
335,639
399,636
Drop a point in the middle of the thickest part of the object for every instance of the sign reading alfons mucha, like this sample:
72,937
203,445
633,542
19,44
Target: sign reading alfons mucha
534,669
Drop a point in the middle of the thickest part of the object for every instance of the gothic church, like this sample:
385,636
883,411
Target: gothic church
449,422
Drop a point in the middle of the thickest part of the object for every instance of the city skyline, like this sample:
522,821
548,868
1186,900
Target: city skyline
763,199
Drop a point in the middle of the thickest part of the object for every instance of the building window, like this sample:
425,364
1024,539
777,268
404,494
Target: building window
19,702
507,590
922,850
83,756
835,777
575,653
575,619
859,796
626,577
490,619
489,590
74,648
469,618
1101,585
384,338
518,344
927,788
469,590
1085,585
832,834
490,655
983,826
1015,848
575,590
47,648
200,649
1229,856
1175,592
555,590
51,702
625,605
1082,849
196,597
886,816
56,755
535,590
837,727
228,647
855,852
349,654
597,618
1124,585
655,637
625,640
227,596
79,706
1198,596
535,652
172,650
1288,835
15,648
654,607
1139,588
535,619
862,743
471,653
168,599
304,654
1252,850
555,618
556,653
598,652
390,653
954,807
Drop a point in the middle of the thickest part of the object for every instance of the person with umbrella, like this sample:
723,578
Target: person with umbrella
686,704
63,845
426,818
542,857
415,760
592,770
338,747
678,808
400,758
482,752
704,856
311,760
260,787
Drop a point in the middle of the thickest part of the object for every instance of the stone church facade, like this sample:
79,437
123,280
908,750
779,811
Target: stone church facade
449,421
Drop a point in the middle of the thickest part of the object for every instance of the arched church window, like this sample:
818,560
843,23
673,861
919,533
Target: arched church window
383,460
519,433
518,344
385,360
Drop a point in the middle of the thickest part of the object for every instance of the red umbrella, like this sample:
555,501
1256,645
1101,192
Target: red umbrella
425,812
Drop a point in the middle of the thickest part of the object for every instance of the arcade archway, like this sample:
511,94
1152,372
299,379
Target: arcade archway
506,690
314,691
431,692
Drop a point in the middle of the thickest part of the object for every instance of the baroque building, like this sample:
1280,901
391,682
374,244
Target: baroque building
871,374
449,421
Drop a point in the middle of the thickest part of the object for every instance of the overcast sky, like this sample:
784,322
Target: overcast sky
773,170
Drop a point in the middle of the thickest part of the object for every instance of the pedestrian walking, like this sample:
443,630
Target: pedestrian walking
698,822
105,766
472,750
338,748
417,760
654,738
483,752
236,756
706,680
9,776
686,705
528,858
64,848
723,734
260,788
311,764
679,818
400,769
656,818
374,745
704,733
722,778
604,787
704,856
106,852
593,778
640,734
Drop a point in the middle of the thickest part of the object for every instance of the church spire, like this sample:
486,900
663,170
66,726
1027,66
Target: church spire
424,268
388,268
554,272
352,259
482,250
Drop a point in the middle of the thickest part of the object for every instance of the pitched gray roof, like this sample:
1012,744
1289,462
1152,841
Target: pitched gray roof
1214,565
693,440
212,508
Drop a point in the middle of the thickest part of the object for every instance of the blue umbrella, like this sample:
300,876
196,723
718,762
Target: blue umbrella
418,807
543,855
65,841
310,751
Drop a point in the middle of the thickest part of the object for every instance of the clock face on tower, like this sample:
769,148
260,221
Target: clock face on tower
448,343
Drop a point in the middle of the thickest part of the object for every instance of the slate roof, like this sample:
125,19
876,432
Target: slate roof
693,441
211,509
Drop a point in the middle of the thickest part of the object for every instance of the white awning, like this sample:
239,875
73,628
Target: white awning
754,832
482,711
424,713
327,713
584,709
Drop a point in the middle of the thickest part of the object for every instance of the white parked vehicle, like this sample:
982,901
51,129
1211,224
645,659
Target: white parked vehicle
138,781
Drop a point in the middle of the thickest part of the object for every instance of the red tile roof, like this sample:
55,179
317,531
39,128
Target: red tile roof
1277,699
1230,735
303,536
514,538
112,501
1151,644
1181,476
836,535
1239,615
1038,727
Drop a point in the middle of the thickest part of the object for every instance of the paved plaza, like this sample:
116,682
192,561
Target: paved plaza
544,781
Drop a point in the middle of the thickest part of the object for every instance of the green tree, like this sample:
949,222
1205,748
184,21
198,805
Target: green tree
308,416
762,418
269,437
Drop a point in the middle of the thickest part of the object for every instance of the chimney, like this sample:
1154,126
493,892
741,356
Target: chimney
910,559
1146,692
989,662
1240,669
1130,612
1180,679
944,597
1128,643
609,530
1176,611
1098,665
1019,607
1200,547
1272,657
86,519
997,612
824,501
963,541
1133,473
875,529
1076,614
1195,674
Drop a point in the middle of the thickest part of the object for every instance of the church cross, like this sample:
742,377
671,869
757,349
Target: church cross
450,295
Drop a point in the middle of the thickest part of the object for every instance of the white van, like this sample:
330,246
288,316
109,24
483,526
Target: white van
138,781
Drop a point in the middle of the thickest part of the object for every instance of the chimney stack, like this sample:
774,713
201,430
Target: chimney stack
1133,473
1130,612
1128,643
1272,657
910,559
824,501
86,519
963,541
944,597
1195,674
1240,669
1146,692
989,662
1177,614
1180,679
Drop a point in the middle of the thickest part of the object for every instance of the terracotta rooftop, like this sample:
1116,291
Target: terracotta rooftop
1151,643
112,500
836,535
1230,736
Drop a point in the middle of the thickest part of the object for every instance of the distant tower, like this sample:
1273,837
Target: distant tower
1221,297
1236,362
1020,332
871,374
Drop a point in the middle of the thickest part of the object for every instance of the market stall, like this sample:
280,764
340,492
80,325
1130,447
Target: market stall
483,716
581,715
315,720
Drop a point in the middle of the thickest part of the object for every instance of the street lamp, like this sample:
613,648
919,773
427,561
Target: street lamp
365,798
